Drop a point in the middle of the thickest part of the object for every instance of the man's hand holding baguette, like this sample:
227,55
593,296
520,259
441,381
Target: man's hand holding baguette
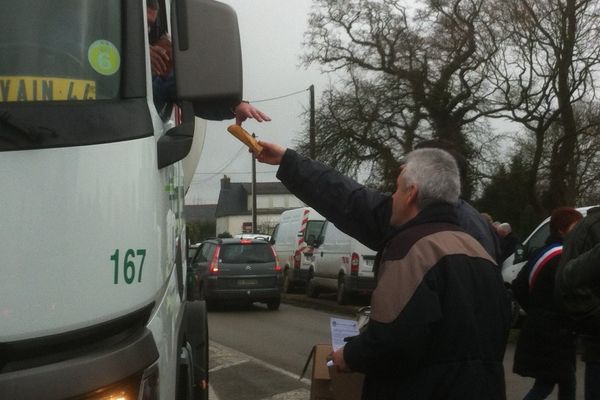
271,153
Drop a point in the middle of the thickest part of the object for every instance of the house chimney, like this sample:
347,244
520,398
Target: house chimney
225,181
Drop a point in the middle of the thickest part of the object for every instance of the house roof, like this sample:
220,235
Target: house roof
200,213
232,200
233,197
266,188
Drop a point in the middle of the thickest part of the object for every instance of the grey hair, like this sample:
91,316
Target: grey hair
435,174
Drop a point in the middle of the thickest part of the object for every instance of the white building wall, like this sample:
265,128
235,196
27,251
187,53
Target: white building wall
233,224
275,201
222,225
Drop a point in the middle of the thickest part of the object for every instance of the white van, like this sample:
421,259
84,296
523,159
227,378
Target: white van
341,263
296,228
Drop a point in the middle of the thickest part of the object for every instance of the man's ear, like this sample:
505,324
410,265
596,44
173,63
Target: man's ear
411,197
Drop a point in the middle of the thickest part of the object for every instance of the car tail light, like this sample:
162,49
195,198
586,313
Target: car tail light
213,268
297,256
354,261
246,241
277,265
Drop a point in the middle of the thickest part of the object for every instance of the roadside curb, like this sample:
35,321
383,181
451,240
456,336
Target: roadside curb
326,303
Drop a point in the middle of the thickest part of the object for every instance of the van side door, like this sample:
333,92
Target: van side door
328,257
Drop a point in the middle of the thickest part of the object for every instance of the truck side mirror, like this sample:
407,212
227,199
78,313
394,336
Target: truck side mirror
207,54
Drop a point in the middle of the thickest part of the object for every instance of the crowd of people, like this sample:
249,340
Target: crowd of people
440,313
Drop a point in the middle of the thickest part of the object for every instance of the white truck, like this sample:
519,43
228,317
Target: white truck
93,290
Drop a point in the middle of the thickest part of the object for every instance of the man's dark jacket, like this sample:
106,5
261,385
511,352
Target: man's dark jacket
440,314
361,212
578,281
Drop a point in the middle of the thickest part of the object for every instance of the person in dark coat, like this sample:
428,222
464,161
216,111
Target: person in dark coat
508,240
439,313
546,345
577,289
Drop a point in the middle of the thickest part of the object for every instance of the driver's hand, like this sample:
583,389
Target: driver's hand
245,110
159,60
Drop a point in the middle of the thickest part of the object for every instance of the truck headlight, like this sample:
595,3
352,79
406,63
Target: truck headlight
143,386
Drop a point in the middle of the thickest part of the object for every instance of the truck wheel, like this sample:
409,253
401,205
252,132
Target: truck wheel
274,304
311,288
287,282
197,338
342,296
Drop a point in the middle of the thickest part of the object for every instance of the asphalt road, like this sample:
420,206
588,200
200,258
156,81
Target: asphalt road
257,354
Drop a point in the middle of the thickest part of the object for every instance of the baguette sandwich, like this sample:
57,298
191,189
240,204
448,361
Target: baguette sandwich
245,138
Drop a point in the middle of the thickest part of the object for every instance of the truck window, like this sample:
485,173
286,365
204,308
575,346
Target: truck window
67,51
72,73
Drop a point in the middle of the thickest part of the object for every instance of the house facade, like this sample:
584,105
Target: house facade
234,208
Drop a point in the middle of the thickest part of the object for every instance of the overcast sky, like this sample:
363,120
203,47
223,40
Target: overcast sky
272,32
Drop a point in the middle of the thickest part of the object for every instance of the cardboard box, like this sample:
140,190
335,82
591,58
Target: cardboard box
329,384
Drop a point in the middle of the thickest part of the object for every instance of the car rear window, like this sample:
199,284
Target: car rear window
246,253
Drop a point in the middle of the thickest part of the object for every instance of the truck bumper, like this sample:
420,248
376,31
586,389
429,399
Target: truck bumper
123,364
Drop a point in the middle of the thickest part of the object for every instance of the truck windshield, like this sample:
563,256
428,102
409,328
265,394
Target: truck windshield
60,50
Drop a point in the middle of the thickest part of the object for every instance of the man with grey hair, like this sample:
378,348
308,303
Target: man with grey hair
439,313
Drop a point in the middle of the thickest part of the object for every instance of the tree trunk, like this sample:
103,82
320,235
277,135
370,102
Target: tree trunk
562,176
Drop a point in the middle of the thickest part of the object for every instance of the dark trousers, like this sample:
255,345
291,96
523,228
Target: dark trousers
542,389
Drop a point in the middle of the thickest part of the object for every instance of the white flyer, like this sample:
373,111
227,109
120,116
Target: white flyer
340,329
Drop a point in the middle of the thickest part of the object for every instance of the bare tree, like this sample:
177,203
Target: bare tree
587,155
365,125
413,73
545,69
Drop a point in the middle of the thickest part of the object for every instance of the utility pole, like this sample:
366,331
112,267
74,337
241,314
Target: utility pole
253,190
312,122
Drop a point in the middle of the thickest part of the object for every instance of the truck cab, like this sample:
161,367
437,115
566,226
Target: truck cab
93,286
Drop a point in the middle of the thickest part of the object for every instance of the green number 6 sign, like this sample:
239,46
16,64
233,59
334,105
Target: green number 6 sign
131,266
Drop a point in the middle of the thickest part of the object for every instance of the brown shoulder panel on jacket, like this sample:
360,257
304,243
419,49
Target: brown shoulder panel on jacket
399,278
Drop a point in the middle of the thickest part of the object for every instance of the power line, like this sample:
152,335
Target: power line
220,170
279,97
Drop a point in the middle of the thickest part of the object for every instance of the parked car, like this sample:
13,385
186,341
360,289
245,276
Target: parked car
535,241
260,236
237,269
296,227
340,263
191,252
